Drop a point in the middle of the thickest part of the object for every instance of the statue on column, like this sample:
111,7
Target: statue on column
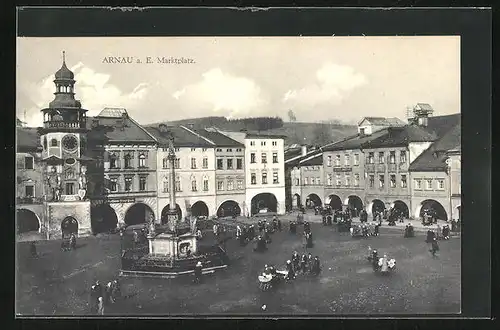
152,228
82,180
54,182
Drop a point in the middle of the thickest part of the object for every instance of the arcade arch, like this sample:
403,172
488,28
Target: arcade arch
137,214
164,213
199,209
313,200
335,202
103,218
27,221
264,200
433,206
228,208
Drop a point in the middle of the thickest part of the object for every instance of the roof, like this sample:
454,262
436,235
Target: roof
434,158
298,159
219,139
424,106
440,125
400,136
64,73
122,129
112,112
182,137
28,139
382,121
255,135
354,141
316,159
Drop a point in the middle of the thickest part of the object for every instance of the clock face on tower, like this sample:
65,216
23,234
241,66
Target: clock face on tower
69,143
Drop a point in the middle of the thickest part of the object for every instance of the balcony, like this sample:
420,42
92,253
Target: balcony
29,200
64,124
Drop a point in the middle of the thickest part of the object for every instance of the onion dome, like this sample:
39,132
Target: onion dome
64,73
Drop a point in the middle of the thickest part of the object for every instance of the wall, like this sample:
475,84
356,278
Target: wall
416,149
58,211
420,195
309,185
26,177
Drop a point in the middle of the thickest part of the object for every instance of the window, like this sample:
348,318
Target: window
402,157
252,158
329,161
347,180
392,157
393,180
372,180
205,162
128,161
305,181
165,162
205,184
337,160
113,162
263,143
142,183
418,184
113,184
361,131
53,143
193,149
264,178
252,143
338,181
381,157
229,150
219,150
297,182
239,163
178,184
440,184
29,191
29,163
371,157
220,185
356,179
275,143
238,150
404,183
356,159
239,184
230,184
264,158
229,164
428,184
347,160
128,184
70,188
204,149
142,160
329,179
220,164
318,181
177,149
177,163
275,157
381,181
165,186
193,163
275,178
253,178
193,185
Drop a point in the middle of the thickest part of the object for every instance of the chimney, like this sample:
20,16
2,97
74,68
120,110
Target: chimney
190,126
304,150
423,121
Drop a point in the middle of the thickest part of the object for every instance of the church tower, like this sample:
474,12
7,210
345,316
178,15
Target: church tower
63,137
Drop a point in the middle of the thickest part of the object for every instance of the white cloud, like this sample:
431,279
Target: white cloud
333,84
223,94
92,89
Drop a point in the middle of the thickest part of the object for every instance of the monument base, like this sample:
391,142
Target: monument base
170,245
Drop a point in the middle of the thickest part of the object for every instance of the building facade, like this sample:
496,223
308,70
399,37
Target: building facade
29,181
454,163
124,180
312,176
230,183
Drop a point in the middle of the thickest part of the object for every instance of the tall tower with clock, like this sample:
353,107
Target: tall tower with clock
63,137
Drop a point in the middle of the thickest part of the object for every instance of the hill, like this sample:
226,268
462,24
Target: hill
296,132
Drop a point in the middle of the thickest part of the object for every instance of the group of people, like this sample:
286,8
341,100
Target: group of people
101,296
380,264
266,228
302,265
70,244
365,230
409,231
245,234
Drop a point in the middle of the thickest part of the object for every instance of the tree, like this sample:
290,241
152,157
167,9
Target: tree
291,116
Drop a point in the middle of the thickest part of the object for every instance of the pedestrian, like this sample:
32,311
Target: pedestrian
439,232
109,293
72,242
289,267
279,224
100,306
198,270
435,247
446,232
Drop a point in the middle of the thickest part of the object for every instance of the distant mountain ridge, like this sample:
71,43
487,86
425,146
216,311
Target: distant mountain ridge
296,132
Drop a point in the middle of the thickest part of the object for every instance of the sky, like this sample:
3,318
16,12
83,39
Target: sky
318,78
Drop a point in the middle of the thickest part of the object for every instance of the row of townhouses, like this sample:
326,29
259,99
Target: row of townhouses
89,174
412,166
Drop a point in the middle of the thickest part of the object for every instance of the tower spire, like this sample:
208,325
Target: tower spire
64,57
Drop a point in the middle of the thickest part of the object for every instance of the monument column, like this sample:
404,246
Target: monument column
172,210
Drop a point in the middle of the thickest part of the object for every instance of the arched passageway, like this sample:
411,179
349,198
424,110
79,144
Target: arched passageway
296,202
335,202
433,208
199,209
137,214
27,221
103,218
164,213
69,226
228,209
354,204
377,206
313,200
263,201
401,208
